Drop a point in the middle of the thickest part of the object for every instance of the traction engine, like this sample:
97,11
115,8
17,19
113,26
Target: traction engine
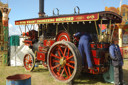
56,47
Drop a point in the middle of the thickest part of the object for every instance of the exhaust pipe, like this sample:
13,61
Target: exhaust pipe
41,8
41,14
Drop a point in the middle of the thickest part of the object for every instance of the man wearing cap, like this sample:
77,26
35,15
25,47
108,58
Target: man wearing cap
117,62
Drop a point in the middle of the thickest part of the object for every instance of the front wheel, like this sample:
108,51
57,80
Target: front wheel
64,61
29,62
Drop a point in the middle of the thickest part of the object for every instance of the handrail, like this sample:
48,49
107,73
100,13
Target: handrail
57,12
78,10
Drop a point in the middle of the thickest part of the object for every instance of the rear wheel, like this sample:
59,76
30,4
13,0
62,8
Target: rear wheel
29,62
64,61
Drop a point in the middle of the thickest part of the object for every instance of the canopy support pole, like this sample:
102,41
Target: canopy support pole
110,31
96,30
38,29
100,31
56,29
20,29
25,31
28,28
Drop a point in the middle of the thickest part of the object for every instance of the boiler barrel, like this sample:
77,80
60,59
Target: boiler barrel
19,79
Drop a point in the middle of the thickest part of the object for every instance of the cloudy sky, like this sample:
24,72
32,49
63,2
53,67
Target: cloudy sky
25,9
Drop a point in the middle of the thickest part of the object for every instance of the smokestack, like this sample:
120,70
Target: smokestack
41,8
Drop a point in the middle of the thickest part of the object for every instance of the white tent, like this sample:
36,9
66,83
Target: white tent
17,53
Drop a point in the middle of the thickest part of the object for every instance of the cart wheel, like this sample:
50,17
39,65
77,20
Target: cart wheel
64,61
29,62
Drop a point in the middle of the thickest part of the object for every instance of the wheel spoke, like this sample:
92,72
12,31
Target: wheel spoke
62,73
69,57
30,58
65,51
69,71
55,61
70,66
68,52
59,71
55,66
61,50
26,59
72,62
59,53
66,71
55,56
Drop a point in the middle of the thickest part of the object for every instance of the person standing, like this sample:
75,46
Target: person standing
117,62
84,47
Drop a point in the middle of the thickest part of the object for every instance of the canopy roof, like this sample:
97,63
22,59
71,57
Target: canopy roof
105,16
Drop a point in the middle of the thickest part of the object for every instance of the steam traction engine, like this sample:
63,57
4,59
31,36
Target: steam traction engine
55,46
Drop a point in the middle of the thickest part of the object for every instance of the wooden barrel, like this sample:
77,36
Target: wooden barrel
19,79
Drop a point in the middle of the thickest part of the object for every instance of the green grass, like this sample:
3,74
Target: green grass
41,76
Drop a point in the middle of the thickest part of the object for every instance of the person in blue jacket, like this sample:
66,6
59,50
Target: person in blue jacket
117,62
84,47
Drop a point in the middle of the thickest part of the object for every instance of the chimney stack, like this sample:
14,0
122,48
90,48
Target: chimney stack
41,8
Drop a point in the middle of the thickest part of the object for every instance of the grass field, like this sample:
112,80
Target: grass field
41,76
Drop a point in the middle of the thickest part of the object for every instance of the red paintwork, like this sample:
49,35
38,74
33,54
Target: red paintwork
98,45
48,42
25,34
28,42
40,56
41,49
98,60
63,36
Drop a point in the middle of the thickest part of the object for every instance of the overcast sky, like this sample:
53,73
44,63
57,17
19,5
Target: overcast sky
25,9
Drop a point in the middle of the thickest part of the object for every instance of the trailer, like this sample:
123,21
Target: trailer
56,47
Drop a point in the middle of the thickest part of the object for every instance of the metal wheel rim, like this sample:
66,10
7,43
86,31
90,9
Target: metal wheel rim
66,62
28,62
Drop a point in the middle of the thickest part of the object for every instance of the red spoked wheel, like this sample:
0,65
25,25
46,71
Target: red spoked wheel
64,61
29,62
